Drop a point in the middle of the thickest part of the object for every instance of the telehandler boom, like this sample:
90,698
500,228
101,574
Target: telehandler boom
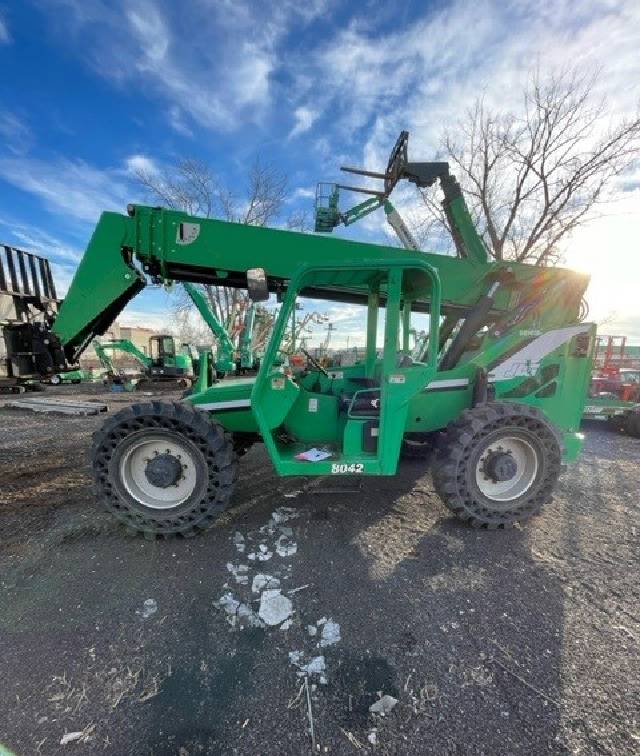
499,391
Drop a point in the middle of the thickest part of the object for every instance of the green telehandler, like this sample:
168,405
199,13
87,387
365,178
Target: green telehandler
499,392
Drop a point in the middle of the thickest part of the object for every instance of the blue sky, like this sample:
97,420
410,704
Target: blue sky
89,89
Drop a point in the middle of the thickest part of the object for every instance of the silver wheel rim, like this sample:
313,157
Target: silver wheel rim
132,472
55,380
526,460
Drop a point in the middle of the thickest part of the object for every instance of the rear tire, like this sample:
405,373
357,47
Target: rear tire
498,464
191,483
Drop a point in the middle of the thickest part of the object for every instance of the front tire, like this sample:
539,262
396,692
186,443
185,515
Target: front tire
163,468
498,464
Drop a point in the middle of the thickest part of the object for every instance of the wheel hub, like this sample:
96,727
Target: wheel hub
506,469
164,470
500,466
158,470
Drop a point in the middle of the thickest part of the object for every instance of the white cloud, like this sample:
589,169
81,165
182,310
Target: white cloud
70,186
302,192
158,321
177,121
5,37
40,242
212,62
137,164
305,118
15,133
424,75
62,277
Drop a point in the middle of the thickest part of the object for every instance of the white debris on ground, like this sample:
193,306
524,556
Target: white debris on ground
262,554
238,542
383,705
282,514
266,603
274,607
372,737
295,657
240,572
149,608
330,633
79,736
266,606
260,582
70,737
238,615
315,667
285,547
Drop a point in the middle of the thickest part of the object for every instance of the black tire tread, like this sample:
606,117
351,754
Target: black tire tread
456,446
209,436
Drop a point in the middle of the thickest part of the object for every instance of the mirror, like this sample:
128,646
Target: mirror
257,285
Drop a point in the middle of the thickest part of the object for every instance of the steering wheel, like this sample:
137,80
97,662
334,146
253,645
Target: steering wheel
314,362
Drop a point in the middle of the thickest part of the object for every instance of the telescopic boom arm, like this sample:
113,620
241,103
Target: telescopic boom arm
423,174
225,351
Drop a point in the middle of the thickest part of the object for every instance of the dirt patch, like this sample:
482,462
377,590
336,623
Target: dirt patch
492,642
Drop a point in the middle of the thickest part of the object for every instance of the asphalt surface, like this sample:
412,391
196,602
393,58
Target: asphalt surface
523,641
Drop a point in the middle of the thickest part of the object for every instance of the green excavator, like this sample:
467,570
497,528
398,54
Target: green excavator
167,363
164,363
498,394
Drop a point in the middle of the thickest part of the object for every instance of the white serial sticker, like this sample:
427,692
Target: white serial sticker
277,384
338,469
397,378
313,405
336,375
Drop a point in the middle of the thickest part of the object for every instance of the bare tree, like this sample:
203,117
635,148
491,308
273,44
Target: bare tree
191,186
533,177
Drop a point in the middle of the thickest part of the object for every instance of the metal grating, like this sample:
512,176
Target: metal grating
23,274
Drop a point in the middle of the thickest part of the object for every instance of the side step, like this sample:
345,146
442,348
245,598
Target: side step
62,406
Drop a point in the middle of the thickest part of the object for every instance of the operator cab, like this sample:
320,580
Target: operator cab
354,414
161,348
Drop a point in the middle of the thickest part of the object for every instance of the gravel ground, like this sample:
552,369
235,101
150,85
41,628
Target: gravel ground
523,641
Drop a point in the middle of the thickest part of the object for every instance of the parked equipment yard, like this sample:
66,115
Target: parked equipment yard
492,642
